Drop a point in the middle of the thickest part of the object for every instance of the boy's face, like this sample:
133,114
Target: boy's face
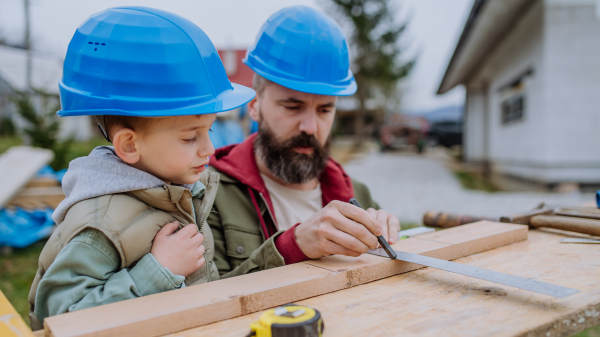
173,149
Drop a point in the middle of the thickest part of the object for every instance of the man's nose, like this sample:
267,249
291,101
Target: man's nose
308,123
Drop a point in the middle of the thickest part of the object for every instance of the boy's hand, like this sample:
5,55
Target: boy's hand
182,253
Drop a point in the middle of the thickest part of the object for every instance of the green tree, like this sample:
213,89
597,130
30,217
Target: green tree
44,126
376,53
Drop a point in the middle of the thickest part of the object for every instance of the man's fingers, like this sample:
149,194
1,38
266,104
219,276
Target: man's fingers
168,229
354,229
382,218
393,227
348,241
334,248
359,215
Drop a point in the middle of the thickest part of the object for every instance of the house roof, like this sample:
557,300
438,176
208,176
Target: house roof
236,70
488,22
46,70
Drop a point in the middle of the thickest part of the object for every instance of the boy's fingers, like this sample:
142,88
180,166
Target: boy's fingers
199,238
200,263
188,231
168,229
201,250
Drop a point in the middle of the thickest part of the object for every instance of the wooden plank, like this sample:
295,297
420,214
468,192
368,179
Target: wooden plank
39,197
17,166
42,182
202,304
11,323
430,302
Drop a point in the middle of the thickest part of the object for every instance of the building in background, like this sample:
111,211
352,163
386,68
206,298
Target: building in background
532,75
234,126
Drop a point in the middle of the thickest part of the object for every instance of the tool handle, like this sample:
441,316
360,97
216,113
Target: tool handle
447,220
382,241
571,224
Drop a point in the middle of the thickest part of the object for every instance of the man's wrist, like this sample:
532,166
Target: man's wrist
287,246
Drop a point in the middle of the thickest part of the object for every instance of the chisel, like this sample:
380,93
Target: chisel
480,273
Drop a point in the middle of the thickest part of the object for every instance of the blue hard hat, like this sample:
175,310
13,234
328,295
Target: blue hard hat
138,61
303,49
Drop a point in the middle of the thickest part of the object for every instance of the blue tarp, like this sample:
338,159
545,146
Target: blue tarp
21,227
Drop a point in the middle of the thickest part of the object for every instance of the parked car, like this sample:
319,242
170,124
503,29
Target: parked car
446,133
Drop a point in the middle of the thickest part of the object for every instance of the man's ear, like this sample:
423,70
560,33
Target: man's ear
125,145
254,108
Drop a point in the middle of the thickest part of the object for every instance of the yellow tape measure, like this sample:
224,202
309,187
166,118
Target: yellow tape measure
288,321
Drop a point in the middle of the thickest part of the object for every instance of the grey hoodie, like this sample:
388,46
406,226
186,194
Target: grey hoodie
102,173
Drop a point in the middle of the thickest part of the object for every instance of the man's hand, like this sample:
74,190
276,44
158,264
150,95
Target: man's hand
389,223
182,253
339,228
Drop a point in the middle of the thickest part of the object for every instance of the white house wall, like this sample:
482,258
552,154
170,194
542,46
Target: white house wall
572,53
520,144
473,125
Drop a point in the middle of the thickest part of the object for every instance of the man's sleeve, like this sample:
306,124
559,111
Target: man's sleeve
363,195
265,257
86,273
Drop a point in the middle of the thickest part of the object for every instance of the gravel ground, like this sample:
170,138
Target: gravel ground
410,185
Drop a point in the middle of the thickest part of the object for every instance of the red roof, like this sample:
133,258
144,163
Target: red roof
237,71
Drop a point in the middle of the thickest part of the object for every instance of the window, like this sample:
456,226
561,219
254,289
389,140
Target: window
513,109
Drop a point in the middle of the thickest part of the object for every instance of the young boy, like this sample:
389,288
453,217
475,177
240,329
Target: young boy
128,225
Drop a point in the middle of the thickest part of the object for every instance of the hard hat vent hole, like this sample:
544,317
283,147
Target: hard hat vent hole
91,42
97,43
95,49
104,44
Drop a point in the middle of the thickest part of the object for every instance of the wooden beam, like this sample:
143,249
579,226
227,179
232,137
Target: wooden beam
38,197
17,166
11,323
182,309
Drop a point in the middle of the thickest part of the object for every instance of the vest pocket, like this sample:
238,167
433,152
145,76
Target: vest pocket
241,244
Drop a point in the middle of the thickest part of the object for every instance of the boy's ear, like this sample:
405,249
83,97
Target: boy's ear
125,145
254,108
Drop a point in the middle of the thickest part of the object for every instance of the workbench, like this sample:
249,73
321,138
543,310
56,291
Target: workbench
429,302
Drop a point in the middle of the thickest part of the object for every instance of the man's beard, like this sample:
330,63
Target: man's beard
284,162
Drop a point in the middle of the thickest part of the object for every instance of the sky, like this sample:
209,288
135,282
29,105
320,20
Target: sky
433,31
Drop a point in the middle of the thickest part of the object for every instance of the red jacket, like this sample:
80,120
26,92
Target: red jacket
238,161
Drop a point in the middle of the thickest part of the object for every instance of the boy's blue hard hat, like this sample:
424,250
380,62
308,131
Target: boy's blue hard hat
138,61
303,49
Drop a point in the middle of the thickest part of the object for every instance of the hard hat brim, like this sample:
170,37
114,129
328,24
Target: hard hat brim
309,87
227,100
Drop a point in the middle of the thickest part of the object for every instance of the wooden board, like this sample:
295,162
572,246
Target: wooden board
17,166
430,302
199,305
38,197
42,182
11,323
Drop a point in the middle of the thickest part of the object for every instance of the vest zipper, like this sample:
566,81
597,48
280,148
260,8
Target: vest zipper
212,202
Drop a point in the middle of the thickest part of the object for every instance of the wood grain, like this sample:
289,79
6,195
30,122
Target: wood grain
199,305
17,166
430,302
38,197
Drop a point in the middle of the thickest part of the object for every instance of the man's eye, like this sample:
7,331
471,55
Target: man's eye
292,107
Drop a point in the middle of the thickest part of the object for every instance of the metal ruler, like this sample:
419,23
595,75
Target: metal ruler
579,241
480,273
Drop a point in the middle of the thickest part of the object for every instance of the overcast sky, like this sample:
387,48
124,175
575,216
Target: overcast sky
434,29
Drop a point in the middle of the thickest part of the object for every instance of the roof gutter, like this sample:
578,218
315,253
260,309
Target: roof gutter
477,6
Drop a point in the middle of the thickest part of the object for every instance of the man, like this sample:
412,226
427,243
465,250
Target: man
290,198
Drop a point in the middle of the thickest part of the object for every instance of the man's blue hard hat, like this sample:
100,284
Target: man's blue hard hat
145,62
303,49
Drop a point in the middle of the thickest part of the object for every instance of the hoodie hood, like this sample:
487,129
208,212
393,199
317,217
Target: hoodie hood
101,173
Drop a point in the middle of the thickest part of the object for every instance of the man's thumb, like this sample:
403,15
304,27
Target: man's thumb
168,229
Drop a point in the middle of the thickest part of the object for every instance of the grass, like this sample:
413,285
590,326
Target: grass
17,271
474,182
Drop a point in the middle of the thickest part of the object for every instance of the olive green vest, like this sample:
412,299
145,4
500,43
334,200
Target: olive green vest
130,221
